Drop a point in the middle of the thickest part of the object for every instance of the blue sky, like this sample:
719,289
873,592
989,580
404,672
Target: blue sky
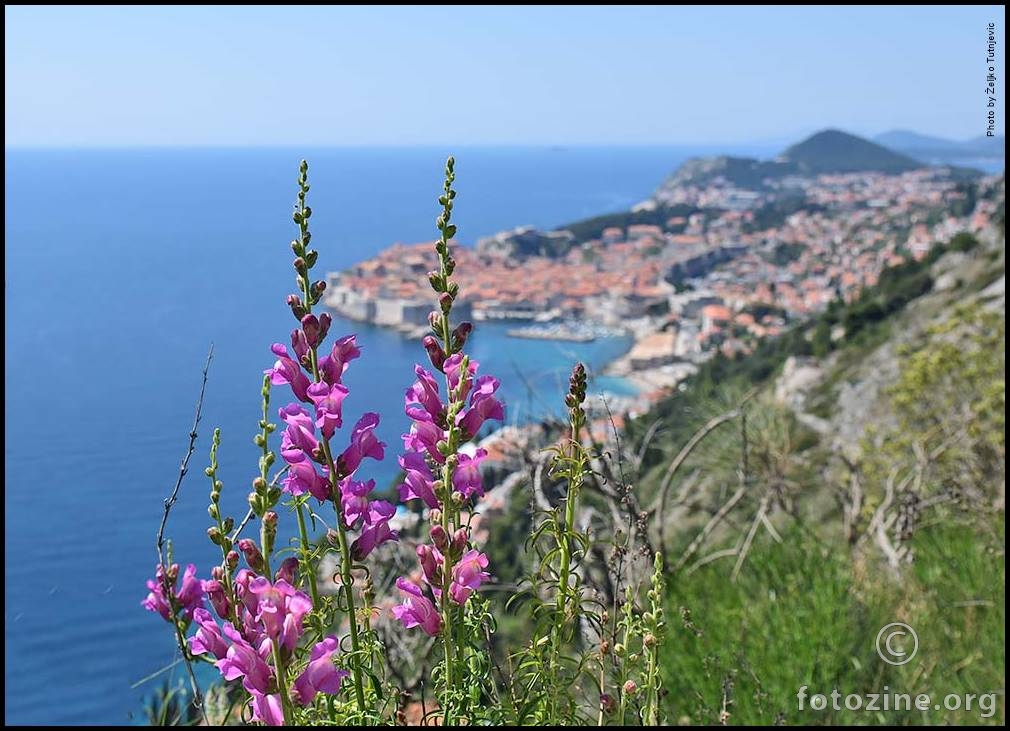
493,75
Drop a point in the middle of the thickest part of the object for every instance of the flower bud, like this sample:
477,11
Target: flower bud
436,281
429,564
325,320
300,266
604,647
619,649
435,515
287,570
630,688
440,538
649,640
435,352
232,560
218,597
460,334
459,541
252,554
297,306
435,320
310,326
259,484
445,302
607,703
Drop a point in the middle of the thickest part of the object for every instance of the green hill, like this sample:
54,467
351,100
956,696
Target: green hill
829,151
833,151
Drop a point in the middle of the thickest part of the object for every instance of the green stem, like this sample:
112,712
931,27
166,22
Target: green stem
308,568
346,576
651,715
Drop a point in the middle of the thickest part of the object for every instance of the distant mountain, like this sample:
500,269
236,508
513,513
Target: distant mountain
940,150
830,151
833,151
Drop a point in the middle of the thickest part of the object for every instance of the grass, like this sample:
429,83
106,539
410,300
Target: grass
804,613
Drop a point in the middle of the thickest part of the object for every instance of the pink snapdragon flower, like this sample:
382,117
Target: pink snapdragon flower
483,406
299,439
466,478
354,499
424,436
333,366
328,400
416,610
422,402
267,708
208,638
321,675
364,444
376,529
244,661
287,370
188,598
280,610
418,482
467,576
302,477
453,367
218,597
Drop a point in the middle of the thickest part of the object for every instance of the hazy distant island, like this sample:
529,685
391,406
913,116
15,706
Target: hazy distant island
726,251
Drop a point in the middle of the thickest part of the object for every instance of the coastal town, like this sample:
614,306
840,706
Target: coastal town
730,265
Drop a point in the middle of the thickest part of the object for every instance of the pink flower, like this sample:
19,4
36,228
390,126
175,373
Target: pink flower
215,592
302,477
208,639
483,406
422,402
299,438
416,610
431,561
453,365
267,709
466,477
424,436
328,400
288,570
188,598
467,576
364,443
376,530
418,482
321,675
280,610
354,499
332,366
286,370
243,661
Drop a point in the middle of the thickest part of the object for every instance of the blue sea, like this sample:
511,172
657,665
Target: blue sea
121,268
